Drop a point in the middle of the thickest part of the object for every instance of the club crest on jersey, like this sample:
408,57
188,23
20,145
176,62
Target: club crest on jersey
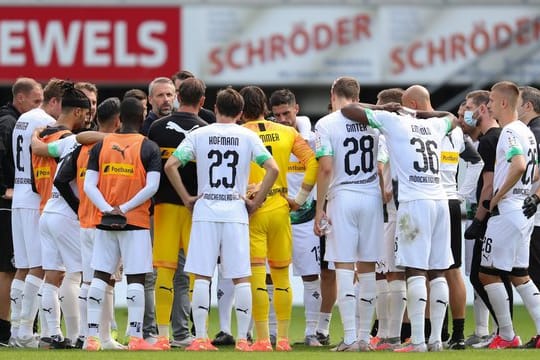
512,141
42,172
118,169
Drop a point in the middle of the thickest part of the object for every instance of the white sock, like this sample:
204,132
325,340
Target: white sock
382,307
30,305
347,303
107,314
416,307
16,292
531,298
96,296
438,301
50,305
499,301
243,301
69,302
312,305
83,310
272,320
225,303
366,304
323,325
397,304
481,316
135,303
199,307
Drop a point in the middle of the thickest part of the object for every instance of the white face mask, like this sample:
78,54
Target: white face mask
176,104
468,118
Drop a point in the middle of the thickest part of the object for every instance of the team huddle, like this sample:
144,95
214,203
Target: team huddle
365,206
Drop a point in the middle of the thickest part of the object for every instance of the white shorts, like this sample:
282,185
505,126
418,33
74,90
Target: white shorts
506,244
306,250
133,247
229,241
60,245
388,261
87,246
423,235
26,240
357,226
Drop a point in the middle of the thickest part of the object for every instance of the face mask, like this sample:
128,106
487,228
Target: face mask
468,118
176,104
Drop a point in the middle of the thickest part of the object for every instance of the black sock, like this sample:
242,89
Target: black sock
427,329
458,326
375,328
5,330
405,331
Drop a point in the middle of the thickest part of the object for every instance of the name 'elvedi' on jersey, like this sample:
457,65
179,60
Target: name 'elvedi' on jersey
223,140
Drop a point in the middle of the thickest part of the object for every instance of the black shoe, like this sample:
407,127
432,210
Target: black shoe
222,338
323,339
79,343
534,343
458,344
59,342
45,342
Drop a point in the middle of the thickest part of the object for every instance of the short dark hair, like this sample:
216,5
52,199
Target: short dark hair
191,91
108,110
346,87
23,85
131,111
254,102
478,97
391,95
136,93
229,102
73,98
182,75
282,97
532,95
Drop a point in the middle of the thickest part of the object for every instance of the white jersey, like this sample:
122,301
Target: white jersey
384,158
57,204
452,145
23,195
515,139
354,148
223,153
414,146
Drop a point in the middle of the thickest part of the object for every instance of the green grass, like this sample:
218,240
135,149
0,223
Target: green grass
523,324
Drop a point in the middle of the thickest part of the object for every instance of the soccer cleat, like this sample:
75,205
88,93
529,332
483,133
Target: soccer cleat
499,343
283,345
323,339
138,344
201,344
60,342
182,343
534,343
482,343
364,346
436,346
113,345
242,345
412,348
388,344
163,343
79,343
454,344
222,338
31,342
92,343
311,340
346,347
262,346
374,340
44,342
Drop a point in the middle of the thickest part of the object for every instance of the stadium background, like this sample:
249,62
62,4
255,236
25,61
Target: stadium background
450,46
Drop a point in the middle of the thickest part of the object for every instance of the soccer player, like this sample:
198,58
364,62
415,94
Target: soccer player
223,152
25,218
172,220
122,175
423,220
269,226
506,242
306,250
347,154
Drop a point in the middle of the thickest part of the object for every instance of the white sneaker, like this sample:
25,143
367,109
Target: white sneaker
344,347
112,345
483,341
31,342
435,346
185,342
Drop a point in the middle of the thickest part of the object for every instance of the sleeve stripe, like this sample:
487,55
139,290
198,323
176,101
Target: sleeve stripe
514,151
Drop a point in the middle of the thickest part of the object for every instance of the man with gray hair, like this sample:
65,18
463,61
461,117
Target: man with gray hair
161,95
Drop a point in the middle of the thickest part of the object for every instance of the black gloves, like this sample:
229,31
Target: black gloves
530,204
476,230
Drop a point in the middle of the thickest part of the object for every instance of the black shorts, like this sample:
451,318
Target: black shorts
7,262
456,240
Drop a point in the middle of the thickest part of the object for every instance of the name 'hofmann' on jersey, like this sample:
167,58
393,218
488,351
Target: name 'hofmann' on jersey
223,140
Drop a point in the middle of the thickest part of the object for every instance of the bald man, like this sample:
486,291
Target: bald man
453,146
